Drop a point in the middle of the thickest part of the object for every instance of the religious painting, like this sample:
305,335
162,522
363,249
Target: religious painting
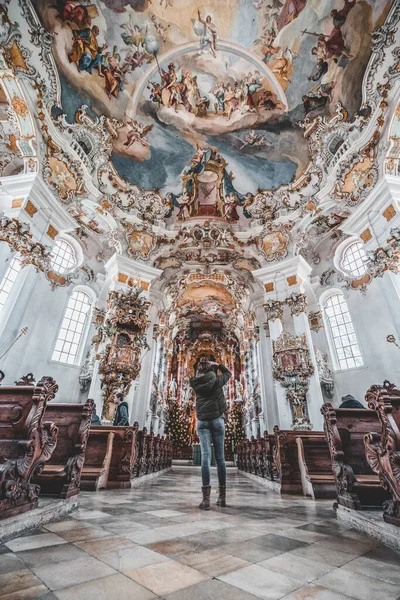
200,292
61,178
233,78
275,245
140,243
94,217
249,264
167,262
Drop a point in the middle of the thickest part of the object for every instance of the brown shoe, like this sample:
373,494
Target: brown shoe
205,504
221,500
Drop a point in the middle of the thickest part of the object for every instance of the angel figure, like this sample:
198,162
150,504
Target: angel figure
282,65
185,202
137,133
254,139
160,28
207,32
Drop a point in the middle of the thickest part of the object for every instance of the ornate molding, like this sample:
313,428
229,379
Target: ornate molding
297,302
125,333
19,239
273,310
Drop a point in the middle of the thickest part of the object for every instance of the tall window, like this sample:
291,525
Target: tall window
63,257
72,328
9,280
342,332
354,259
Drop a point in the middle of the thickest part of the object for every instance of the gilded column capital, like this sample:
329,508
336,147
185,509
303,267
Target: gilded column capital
298,303
273,309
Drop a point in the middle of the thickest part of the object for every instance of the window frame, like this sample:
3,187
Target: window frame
339,256
85,331
329,333
13,258
78,252
15,292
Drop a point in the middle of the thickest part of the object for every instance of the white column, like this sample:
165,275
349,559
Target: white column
285,418
268,395
314,395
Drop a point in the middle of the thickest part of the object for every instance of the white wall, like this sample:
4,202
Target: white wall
373,316
41,309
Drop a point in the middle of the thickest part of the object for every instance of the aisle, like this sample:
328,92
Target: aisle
152,542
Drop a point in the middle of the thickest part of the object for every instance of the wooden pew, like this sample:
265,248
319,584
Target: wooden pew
357,486
382,450
271,472
141,459
98,454
286,457
315,466
61,475
121,465
26,443
150,453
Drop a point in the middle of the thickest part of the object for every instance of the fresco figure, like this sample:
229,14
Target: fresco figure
185,202
339,16
78,15
114,78
290,10
137,133
230,212
207,32
86,52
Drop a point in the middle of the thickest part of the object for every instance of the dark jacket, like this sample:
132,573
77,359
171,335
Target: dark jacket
121,416
210,399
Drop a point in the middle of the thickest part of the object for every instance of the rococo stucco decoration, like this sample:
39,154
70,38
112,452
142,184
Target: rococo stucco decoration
125,338
292,367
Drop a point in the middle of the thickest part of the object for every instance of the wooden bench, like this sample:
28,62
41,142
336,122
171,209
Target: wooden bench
315,466
141,459
121,464
357,486
98,454
61,475
382,450
26,443
286,457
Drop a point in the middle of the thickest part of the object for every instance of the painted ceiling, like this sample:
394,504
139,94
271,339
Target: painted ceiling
235,76
202,136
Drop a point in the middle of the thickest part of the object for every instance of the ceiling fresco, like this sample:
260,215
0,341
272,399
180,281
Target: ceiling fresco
232,78
202,136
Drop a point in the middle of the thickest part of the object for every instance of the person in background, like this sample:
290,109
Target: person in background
121,417
210,408
95,419
350,402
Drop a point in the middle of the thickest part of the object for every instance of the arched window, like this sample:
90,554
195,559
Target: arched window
344,343
63,257
354,259
73,328
8,280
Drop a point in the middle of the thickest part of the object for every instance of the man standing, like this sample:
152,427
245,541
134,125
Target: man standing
121,417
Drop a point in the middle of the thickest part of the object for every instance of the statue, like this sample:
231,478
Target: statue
172,388
238,391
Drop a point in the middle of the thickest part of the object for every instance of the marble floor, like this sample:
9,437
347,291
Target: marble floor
153,542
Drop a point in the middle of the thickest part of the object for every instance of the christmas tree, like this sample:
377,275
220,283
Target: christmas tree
234,432
177,428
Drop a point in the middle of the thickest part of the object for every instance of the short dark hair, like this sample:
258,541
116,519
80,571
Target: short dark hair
120,396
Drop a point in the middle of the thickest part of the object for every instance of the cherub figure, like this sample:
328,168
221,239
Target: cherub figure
137,133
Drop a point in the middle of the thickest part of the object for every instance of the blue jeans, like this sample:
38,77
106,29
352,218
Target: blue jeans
212,430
